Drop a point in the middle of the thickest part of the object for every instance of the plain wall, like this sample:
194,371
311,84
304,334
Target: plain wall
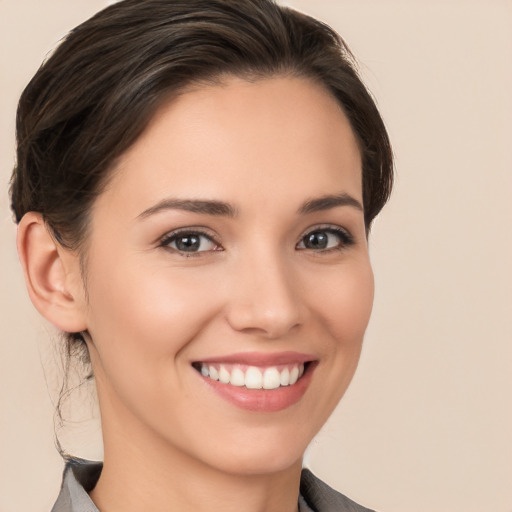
426,426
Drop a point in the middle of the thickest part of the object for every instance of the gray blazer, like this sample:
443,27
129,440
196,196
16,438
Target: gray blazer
80,477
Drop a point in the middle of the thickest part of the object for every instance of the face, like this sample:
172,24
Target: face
228,278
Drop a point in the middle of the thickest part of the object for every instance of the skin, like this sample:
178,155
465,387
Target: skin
265,148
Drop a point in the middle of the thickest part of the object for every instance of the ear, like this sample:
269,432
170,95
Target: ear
52,275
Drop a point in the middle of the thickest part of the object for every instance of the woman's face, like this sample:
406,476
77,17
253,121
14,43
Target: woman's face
230,244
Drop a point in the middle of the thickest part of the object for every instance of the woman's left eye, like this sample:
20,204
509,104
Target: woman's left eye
190,242
325,239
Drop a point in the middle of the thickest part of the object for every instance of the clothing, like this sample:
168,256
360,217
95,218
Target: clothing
80,477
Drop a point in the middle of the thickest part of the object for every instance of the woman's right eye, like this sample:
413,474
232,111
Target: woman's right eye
190,242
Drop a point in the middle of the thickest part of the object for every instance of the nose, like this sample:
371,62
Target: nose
264,299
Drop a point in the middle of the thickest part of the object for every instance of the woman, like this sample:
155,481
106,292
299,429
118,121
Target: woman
194,187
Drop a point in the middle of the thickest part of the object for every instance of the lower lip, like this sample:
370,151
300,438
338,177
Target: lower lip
262,400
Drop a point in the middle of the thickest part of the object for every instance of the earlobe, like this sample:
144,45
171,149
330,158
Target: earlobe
52,275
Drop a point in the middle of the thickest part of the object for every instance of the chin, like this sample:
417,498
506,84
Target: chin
252,464
262,454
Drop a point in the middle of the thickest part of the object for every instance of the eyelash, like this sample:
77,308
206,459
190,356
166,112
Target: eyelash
175,235
345,240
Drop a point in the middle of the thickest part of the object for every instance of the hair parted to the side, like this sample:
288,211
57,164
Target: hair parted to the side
94,96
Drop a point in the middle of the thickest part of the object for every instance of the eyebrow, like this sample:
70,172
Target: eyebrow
203,206
220,208
329,201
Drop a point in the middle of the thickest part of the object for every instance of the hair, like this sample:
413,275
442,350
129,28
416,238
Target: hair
95,95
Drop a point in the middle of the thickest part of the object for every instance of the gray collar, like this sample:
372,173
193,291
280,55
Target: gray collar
80,477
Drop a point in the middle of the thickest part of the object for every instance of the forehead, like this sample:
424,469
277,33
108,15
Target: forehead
281,136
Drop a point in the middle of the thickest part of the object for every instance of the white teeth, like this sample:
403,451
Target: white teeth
285,377
224,375
271,378
237,377
254,377
214,374
294,375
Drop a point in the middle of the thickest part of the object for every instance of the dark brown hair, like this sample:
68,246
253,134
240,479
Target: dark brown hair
96,93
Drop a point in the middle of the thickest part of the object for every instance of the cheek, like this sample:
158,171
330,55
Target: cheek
145,314
141,320
346,303
341,308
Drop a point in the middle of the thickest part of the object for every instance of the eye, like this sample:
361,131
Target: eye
190,242
325,239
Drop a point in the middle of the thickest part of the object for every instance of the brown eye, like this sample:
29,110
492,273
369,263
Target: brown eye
190,242
316,240
325,239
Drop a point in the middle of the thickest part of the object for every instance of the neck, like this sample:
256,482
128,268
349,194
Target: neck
150,475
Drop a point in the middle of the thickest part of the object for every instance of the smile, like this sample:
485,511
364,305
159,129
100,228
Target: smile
258,382
253,377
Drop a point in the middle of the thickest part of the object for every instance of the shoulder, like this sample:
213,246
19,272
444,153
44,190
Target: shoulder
319,497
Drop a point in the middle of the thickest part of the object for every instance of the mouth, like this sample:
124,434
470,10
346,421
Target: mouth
258,382
253,377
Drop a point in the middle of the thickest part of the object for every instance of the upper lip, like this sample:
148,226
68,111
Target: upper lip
260,358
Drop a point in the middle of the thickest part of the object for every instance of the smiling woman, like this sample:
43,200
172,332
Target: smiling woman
194,189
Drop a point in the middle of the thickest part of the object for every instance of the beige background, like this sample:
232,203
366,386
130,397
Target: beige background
427,424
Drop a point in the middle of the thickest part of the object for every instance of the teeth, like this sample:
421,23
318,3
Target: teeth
271,379
214,374
254,377
294,375
285,377
224,375
237,377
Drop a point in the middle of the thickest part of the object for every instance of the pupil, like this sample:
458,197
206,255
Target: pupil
316,240
188,243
